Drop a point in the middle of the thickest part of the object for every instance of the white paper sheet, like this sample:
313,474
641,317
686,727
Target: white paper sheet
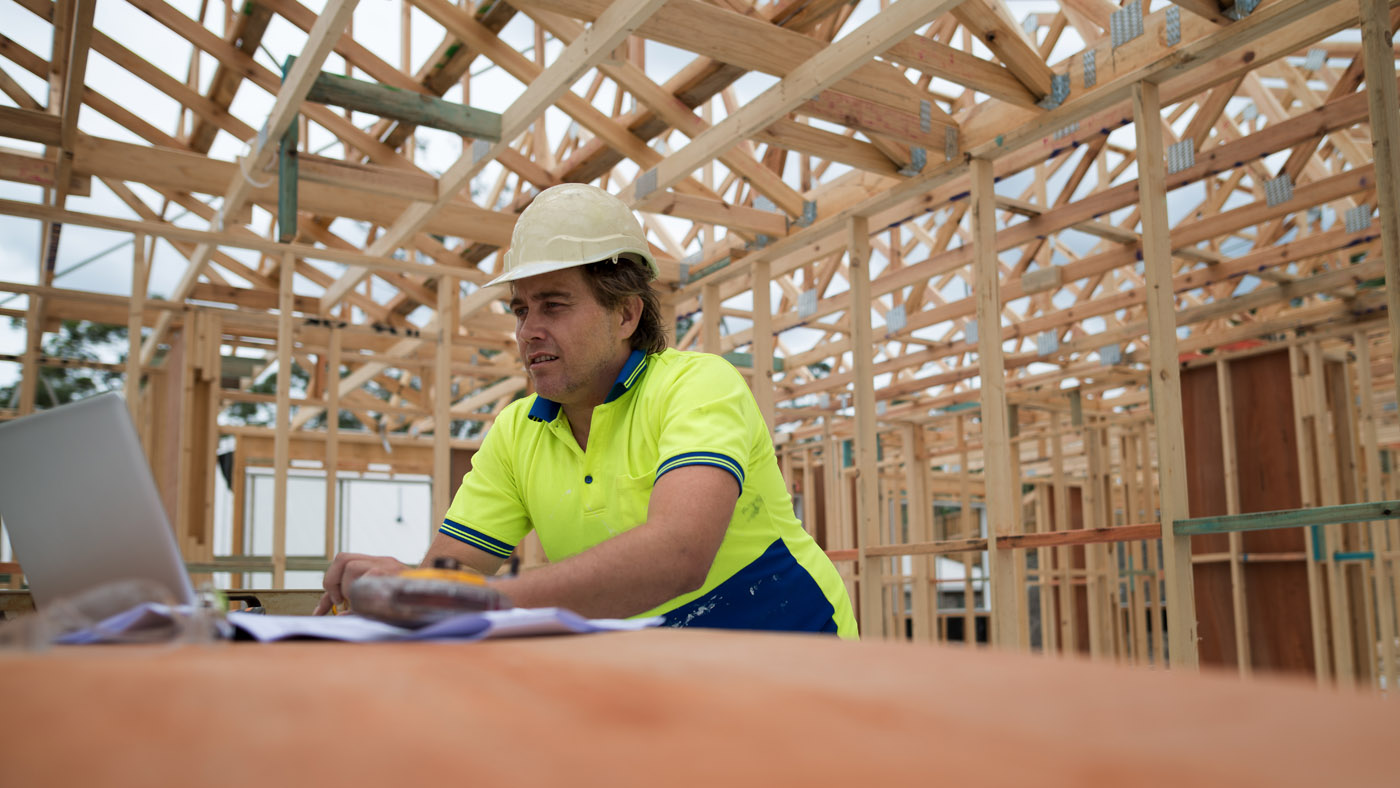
518,622
150,622
353,629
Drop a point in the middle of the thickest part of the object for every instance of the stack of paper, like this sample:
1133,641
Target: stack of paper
518,622
150,621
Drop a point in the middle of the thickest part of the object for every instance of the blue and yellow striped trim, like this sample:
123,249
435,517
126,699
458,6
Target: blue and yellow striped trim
703,458
476,539
627,378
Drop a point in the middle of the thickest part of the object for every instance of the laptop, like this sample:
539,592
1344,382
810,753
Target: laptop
80,505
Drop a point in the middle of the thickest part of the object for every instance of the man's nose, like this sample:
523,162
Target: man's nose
529,327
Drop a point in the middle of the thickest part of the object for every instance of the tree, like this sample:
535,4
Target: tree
75,339
257,414
100,342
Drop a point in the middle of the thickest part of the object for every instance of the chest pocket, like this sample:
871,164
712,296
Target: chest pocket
625,503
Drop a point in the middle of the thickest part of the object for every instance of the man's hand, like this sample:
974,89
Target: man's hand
346,569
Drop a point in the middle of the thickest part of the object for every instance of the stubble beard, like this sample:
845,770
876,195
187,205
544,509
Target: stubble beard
565,383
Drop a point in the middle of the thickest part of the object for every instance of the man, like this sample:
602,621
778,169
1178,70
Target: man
648,473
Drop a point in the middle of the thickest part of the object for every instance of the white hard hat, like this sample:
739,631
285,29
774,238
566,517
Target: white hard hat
569,225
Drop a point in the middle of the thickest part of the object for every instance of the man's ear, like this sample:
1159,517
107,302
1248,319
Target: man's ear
631,315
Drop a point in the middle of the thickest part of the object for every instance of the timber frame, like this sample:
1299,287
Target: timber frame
987,255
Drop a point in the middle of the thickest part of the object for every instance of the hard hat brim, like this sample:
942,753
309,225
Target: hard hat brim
539,267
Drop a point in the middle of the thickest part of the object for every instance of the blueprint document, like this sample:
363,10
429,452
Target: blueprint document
518,622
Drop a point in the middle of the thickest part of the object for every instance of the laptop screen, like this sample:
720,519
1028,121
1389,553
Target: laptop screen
80,505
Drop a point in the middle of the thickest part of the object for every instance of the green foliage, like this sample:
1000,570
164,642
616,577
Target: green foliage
75,340
257,414
683,325
87,341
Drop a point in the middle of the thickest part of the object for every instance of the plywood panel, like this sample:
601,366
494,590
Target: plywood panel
1205,479
1078,592
1277,600
1280,637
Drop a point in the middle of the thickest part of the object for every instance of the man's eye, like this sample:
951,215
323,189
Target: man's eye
519,312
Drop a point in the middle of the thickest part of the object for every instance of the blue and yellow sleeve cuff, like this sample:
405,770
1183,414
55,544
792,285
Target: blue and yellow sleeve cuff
714,459
476,539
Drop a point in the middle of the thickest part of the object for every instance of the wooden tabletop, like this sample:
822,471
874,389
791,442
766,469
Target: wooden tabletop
664,708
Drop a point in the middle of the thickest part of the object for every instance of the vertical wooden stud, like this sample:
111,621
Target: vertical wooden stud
282,437
1329,487
185,460
809,493
712,313
442,400
1166,374
1232,506
208,415
1153,565
920,510
1379,55
1356,573
33,346
1136,630
837,535
1002,500
968,529
1049,632
240,500
1385,599
762,380
140,275
1069,625
1303,423
892,587
1099,645
1018,558
333,359
867,475
1120,580
410,146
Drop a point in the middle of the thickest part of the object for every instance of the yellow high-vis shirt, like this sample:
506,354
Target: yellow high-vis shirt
666,411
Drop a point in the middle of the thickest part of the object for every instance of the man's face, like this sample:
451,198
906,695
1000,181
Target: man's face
571,346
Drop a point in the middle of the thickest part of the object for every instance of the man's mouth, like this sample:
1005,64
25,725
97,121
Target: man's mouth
541,358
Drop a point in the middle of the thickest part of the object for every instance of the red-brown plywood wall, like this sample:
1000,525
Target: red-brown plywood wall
1267,459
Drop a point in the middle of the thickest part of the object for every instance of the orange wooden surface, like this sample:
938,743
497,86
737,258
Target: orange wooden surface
662,708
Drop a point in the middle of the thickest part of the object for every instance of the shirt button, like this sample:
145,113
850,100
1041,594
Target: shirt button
588,480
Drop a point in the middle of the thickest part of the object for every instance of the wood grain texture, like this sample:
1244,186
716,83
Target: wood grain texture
675,707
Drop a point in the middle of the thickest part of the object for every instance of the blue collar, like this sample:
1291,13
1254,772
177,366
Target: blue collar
547,410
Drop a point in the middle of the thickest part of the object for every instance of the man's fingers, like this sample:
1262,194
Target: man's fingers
358,566
340,574
331,581
344,570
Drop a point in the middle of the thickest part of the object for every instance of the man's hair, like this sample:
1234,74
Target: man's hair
612,283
